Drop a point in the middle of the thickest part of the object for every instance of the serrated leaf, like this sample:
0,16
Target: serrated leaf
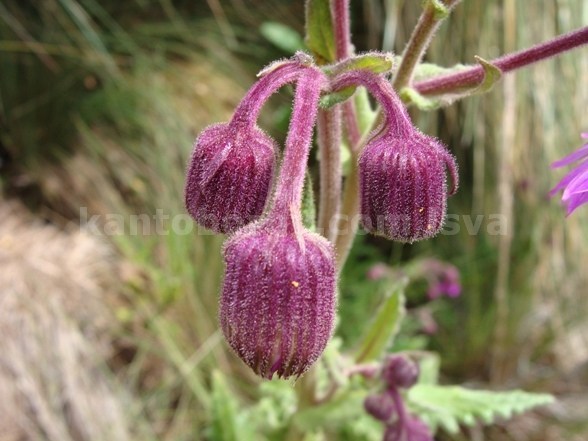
331,99
381,331
450,406
282,36
320,38
308,204
376,62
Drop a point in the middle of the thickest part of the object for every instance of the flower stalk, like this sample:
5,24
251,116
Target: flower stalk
474,76
433,14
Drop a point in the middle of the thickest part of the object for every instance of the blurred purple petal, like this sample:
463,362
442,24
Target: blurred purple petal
573,157
576,201
575,183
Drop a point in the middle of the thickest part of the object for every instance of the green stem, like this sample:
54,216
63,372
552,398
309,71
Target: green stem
419,41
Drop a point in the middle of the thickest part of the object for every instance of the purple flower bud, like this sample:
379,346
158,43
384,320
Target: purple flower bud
403,186
230,173
229,176
399,372
278,300
380,406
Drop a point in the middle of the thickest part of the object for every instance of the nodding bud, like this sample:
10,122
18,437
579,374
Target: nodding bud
380,406
401,171
231,170
229,176
403,186
277,306
399,372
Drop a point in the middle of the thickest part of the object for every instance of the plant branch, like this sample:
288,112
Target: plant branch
474,76
420,39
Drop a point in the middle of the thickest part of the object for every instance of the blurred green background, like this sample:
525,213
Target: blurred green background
114,336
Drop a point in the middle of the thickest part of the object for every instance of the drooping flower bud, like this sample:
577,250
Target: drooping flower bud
278,301
229,176
399,372
401,171
232,165
403,186
381,406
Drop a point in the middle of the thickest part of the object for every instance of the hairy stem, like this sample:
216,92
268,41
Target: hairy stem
288,195
474,76
329,139
419,41
342,29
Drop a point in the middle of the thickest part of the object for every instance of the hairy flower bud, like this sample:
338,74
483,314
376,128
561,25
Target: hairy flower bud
229,176
403,186
278,300
399,372
380,406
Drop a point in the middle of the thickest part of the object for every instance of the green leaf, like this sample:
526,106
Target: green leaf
424,71
226,423
320,38
449,406
492,75
334,413
282,36
308,204
331,99
381,331
224,410
376,62
411,96
441,11
429,367
365,114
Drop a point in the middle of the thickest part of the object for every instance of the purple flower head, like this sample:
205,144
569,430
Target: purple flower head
231,169
575,183
403,186
401,171
399,372
278,301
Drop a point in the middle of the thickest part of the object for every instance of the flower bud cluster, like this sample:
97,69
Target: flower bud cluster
277,305
387,406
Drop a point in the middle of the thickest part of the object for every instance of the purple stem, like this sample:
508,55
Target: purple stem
247,111
340,14
475,75
398,121
288,196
